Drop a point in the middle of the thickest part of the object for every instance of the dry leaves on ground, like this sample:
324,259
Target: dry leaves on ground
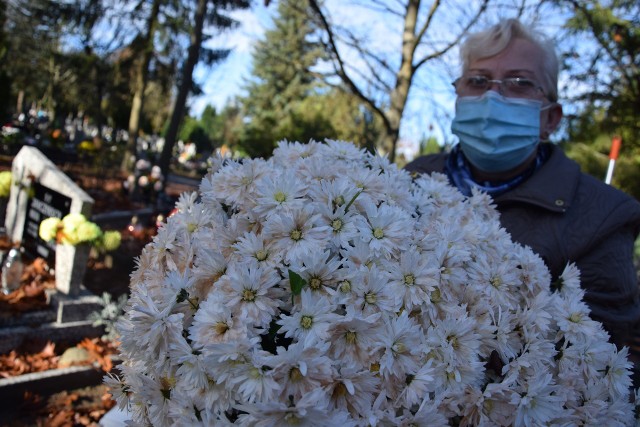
20,362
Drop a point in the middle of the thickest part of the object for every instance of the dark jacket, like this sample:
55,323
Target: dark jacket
566,216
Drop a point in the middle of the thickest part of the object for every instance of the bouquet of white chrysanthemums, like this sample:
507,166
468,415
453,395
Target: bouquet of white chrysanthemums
326,287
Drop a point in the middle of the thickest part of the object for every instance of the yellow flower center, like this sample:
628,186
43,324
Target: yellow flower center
399,348
295,235
345,286
292,419
351,337
315,283
220,328
370,298
378,233
336,224
306,322
575,317
248,295
261,255
280,197
338,201
339,391
453,340
295,375
435,296
409,279
495,282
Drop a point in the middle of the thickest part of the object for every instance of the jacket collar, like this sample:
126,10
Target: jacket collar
551,187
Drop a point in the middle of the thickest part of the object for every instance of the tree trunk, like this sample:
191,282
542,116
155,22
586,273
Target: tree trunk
185,87
142,73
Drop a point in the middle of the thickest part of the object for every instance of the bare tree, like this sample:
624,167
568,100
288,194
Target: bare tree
383,82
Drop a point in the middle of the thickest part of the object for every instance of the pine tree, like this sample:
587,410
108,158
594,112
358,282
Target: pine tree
283,78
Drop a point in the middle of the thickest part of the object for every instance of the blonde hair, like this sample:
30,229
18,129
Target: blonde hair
494,40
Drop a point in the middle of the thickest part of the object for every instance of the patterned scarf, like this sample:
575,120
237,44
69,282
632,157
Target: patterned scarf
459,173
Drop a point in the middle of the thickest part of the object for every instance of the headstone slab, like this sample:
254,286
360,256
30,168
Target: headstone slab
31,169
31,165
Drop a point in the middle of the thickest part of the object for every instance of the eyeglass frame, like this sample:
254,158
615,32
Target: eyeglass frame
535,85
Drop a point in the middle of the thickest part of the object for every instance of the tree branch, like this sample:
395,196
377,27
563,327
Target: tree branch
341,69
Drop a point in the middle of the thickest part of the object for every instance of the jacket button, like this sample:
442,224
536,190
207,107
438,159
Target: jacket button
559,202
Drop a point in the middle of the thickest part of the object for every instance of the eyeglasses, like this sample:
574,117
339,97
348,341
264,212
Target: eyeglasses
515,87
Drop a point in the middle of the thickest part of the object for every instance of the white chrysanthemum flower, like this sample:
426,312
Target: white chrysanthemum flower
344,225
617,373
536,314
310,411
573,317
157,394
314,170
335,193
223,237
569,281
321,271
341,151
400,342
288,153
389,229
247,289
253,381
208,267
256,247
234,185
455,337
584,357
538,403
352,337
296,233
373,293
506,339
301,369
359,254
495,281
278,194
369,184
187,202
418,385
214,323
155,327
164,242
310,320
118,389
191,366
427,415
353,389
413,277
396,181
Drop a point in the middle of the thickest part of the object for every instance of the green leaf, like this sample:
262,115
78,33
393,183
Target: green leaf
297,283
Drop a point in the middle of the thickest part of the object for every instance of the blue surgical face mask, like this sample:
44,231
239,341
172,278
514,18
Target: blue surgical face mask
497,134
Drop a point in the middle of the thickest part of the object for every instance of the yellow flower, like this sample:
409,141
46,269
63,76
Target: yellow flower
49,228
70,224
5,183
111,240
87,232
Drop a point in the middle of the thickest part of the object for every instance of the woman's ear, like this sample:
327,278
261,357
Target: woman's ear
553,117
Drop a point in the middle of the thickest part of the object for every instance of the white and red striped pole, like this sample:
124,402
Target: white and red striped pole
616,141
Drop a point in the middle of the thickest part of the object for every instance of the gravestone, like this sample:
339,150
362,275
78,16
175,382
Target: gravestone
41,190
